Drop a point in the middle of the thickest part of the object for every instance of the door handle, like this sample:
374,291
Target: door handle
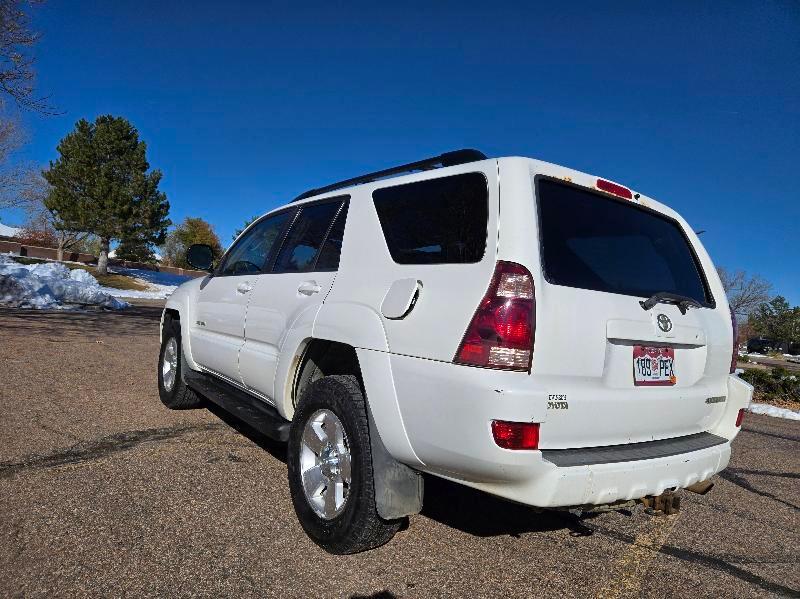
309,288
244,288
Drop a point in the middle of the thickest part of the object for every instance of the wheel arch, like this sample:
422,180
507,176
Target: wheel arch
316,357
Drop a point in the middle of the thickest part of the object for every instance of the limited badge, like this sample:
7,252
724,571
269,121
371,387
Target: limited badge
557,402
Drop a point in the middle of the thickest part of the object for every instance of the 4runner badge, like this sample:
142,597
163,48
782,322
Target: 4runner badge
664,323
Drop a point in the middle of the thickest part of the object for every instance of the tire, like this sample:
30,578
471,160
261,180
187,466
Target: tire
173,391
355,525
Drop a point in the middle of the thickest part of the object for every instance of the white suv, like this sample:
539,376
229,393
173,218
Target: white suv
512,325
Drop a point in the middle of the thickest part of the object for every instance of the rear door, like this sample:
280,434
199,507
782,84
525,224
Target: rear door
300,277
614,371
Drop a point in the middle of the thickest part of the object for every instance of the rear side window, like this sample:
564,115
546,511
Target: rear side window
439,221
305,238
332,248
593,242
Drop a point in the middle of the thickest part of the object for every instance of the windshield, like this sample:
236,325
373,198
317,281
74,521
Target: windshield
591,241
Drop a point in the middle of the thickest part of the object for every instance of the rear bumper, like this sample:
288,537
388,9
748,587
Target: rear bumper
547,485
447,411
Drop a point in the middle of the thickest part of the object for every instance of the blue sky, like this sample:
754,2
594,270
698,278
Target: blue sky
245,104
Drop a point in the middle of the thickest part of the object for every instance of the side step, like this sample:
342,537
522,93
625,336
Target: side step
261,416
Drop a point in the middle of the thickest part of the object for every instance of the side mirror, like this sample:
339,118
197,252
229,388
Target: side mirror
201,256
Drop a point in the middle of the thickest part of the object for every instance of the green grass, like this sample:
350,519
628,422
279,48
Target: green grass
115,281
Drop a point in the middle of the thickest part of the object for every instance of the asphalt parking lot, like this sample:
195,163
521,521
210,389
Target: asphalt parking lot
104,492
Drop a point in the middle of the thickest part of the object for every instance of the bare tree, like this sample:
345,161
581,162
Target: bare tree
42,219
17,77
745,293
14,176
17,39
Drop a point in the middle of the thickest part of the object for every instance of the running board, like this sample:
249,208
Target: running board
261,416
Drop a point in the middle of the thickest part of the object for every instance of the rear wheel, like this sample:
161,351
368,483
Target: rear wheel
330,468
171,388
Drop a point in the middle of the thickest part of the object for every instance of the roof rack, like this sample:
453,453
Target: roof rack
443,160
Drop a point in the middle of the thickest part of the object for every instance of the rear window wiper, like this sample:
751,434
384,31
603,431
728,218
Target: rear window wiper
666,297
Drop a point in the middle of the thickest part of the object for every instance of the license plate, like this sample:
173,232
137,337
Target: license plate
653,366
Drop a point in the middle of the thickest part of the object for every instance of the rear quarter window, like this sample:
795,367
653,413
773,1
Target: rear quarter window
438,221
591,241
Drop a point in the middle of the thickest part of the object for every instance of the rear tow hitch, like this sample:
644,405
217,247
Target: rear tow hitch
665,504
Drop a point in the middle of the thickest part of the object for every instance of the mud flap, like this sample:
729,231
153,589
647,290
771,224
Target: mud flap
398,488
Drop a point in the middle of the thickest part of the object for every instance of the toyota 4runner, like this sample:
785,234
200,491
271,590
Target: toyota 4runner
537,333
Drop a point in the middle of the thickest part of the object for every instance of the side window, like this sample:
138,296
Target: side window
250,253
438,221
332,248
299,251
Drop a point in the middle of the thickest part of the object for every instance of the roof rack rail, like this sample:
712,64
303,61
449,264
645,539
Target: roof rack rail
443,160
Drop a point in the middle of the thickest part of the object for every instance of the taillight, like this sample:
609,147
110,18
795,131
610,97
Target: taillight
516,435
613,188
740,417
501,333
735,352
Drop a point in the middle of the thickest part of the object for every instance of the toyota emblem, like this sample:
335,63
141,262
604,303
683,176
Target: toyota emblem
664,323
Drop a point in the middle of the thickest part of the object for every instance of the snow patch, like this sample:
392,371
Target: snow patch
7,231
768,410
50,285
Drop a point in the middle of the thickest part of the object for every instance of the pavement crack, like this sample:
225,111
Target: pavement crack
709,561
92,450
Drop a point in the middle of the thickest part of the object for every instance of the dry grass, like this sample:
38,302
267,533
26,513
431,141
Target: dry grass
116,281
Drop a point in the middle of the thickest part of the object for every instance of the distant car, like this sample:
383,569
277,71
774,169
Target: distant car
511,325
760,346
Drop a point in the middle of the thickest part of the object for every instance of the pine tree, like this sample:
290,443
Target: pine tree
100,184
135,250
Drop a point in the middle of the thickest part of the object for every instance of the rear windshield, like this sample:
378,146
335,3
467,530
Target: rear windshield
594,242
438,221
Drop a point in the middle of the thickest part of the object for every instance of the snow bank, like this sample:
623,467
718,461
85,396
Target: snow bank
84,276
50,285
762,408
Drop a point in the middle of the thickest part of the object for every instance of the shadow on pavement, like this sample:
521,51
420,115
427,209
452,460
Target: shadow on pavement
480,514
454,505
274,448
81,323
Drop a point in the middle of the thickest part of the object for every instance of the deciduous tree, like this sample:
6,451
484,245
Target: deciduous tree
745,293
44,224
17,39
191,230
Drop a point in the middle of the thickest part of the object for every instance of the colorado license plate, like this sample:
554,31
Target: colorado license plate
653,366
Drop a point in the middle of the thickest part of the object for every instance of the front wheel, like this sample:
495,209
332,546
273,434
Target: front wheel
171,388
330,469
